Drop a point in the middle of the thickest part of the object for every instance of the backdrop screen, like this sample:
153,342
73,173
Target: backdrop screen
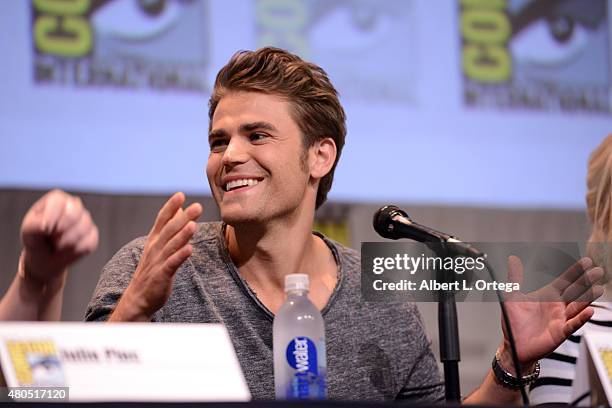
472,102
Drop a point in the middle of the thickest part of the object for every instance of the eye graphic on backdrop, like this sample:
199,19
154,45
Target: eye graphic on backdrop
352,28
550,41
134,20
553,32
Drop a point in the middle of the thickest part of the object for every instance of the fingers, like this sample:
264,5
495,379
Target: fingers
582,285
70,234
81,239
43,214
176,235
166,249
578,321
56,231
177,259
179,240
55,212
89,243
572,274
575,307
53,206
74,232
72,212
515,269
167,241
178,222
167,212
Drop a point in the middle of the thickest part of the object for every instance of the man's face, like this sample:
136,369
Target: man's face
256,169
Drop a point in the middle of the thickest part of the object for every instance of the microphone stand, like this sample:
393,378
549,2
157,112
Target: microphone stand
448,332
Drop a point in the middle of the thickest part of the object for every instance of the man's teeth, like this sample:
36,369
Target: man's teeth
240,183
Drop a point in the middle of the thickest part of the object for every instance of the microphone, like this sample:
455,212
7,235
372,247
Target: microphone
393,223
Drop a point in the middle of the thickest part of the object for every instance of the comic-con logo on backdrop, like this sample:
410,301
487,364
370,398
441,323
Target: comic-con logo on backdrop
350,39
551,55
137,44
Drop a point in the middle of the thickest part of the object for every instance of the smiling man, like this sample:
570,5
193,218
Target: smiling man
276,132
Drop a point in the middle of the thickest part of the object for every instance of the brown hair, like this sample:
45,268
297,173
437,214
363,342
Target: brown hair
315,106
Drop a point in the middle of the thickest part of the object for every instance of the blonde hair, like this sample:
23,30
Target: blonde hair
599,188
599,208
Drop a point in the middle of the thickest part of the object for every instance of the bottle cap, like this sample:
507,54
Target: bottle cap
296,281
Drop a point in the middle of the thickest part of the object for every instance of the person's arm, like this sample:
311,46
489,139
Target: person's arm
491,391
29,300
56,231
540,326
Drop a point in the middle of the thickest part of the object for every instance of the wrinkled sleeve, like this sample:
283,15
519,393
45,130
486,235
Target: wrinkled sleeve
115,277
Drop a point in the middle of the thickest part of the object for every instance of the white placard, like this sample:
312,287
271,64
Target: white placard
124,361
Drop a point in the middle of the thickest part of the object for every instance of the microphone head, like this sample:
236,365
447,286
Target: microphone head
383,221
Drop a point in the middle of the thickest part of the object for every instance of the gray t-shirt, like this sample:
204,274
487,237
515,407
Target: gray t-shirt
375,351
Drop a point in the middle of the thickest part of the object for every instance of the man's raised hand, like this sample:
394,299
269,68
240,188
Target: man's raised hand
167,247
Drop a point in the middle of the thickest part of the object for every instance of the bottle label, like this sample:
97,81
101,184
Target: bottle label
307,381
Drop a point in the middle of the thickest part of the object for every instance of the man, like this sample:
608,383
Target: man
276,132
56,231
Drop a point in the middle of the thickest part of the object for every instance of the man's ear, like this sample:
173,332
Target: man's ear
322,157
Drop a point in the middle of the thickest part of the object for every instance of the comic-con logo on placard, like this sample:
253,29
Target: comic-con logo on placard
136,44
550,55
36,363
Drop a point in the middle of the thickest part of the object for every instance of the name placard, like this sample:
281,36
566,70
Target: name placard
123,361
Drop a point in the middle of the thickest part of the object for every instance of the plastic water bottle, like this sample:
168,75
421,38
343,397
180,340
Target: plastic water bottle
300,368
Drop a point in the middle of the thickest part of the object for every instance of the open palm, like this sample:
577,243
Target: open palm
543,319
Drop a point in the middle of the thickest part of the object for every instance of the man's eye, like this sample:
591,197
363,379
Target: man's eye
257,136
217,144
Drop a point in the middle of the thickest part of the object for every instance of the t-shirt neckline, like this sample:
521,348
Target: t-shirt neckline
250,293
